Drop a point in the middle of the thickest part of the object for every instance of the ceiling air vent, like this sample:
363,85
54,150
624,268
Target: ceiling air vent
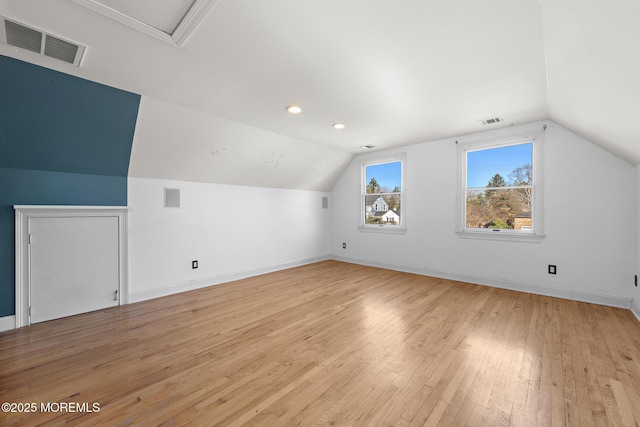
491,121
28,38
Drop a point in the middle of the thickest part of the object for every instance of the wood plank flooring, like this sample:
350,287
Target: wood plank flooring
331,344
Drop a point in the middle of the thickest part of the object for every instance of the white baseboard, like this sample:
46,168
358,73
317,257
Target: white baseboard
609,300
635,307
216,280
7,323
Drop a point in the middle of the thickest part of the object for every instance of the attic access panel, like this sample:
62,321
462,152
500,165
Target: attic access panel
165,18
171,21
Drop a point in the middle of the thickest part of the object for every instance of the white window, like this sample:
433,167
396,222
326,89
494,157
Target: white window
501,193
382,195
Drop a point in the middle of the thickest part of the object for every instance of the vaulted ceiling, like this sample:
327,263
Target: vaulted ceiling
395,72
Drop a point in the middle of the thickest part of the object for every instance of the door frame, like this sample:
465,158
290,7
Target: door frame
22,215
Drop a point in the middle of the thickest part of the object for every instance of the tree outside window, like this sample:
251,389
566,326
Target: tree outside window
499,188
382,194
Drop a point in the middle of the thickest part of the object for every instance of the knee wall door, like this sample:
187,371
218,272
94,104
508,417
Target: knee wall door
73,265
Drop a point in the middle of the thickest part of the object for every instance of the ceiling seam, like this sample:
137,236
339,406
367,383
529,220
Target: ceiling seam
546,60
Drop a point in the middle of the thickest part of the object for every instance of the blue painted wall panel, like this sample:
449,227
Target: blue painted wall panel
57,122
63,141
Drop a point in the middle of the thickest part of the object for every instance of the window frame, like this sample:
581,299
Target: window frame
536,234
382,228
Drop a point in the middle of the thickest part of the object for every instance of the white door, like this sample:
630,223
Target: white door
73,265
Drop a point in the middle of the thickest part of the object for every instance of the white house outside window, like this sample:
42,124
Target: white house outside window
382,195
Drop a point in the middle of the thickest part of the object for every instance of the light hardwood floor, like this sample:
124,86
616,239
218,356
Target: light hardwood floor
332,344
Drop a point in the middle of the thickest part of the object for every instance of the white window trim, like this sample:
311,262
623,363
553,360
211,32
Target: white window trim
383,228
529,134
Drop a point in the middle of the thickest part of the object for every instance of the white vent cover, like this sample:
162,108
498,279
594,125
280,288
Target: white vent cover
325,202
491,121
28,38
171,197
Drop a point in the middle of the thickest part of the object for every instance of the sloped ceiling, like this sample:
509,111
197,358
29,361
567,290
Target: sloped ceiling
395,73
173,142
594,71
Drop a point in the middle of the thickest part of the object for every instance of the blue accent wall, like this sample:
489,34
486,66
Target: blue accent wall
63,141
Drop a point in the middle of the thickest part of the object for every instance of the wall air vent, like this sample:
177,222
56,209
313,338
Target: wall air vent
171,197
28,38
491,121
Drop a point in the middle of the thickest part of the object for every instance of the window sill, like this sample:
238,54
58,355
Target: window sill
508,237
386,229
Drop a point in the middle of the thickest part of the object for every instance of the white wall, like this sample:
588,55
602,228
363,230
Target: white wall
589,223
636,299
233,231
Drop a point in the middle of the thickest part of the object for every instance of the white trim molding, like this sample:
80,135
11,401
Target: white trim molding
635,307
216,280
377,160
533,133
7,323
22,215
532,288
509,237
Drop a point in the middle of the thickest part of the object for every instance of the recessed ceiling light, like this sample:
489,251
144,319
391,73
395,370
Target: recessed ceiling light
294,109
339,125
